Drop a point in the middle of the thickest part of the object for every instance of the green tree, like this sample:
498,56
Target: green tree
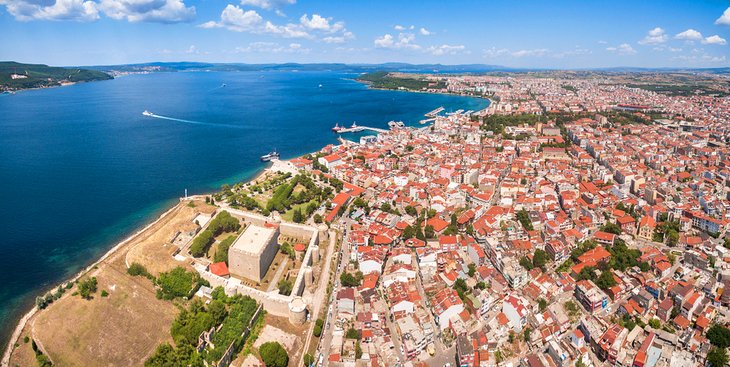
717,357
298,217
349,280
611,228
318,325
472,269
655,323
429,231
273,354
719,336
542,304
352,333
410,210
540,258
86,287
176,283
308,360
526,263
606,280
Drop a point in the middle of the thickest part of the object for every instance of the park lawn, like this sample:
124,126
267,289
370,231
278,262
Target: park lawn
289,215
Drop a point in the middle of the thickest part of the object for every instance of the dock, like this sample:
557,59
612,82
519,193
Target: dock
359,129
434,112
425,121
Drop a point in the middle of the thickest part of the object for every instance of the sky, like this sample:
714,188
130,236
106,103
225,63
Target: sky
523,34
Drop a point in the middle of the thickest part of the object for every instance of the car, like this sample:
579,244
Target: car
447,365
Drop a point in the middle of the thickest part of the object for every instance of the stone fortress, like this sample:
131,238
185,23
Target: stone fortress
250,257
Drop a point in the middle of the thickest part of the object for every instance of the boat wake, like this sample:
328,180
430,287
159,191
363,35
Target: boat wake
192,122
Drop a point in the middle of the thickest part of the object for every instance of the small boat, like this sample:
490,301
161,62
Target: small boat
272,155
320,85
223,85
148,113
396,124
354,125
337,128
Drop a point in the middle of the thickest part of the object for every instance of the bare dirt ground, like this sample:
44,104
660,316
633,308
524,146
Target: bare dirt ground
125,327
122,329
154,250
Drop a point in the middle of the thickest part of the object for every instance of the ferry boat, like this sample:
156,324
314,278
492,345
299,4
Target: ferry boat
270,156
148,113
354,125
337,127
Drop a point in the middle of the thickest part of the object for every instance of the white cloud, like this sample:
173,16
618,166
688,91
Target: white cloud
268,4
346,36
655,36
689,35
272,47
425,32
192,50
724,19
399,28
538,52
320,23
404,41
236,19
26,10
446,50
160,11
495,52
714,40
622,49
386,41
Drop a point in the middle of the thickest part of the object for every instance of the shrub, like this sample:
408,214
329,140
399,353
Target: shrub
86,287
136,269
176,283
274,355
104,293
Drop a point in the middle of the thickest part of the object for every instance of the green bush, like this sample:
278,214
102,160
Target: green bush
136,269
274,355
176,283
86,287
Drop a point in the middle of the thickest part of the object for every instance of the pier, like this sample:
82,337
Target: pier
359,128
434,112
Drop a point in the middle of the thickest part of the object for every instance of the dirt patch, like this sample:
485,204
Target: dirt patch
271,333
155,250
122,329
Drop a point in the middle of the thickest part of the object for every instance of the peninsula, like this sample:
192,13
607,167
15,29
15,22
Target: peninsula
16,76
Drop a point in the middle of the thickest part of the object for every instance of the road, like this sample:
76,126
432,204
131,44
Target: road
320,294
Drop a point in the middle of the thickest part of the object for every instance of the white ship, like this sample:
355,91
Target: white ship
270,156
148,113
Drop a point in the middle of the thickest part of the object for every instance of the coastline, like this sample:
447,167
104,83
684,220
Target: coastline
20,326
23,321
27,318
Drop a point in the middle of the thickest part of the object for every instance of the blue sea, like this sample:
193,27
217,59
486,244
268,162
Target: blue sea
81,168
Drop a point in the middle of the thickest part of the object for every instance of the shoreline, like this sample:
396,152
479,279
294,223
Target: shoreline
21,324
262,172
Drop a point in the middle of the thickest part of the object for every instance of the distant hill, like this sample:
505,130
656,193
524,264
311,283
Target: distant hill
387,67
17,76
351,68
